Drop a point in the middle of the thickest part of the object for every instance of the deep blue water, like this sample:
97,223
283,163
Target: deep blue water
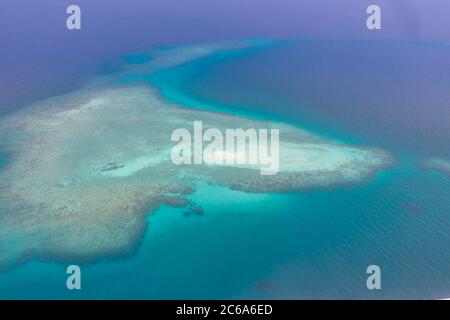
309,245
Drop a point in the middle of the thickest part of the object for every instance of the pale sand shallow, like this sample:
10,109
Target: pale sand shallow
87,168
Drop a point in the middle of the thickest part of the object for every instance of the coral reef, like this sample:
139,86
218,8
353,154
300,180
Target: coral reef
85,169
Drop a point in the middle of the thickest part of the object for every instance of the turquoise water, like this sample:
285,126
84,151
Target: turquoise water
313,245
2,160
136,58
316,244
387,94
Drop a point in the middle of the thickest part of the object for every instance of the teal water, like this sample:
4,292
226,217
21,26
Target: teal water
313,245
2,160
310,245
136,58
392,95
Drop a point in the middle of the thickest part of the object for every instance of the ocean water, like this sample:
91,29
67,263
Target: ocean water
316,244
2,160
389,93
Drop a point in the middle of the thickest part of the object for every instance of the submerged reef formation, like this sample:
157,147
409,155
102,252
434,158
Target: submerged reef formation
437,164
86,168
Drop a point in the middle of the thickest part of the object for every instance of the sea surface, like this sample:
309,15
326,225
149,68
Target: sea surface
2,160
317,244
